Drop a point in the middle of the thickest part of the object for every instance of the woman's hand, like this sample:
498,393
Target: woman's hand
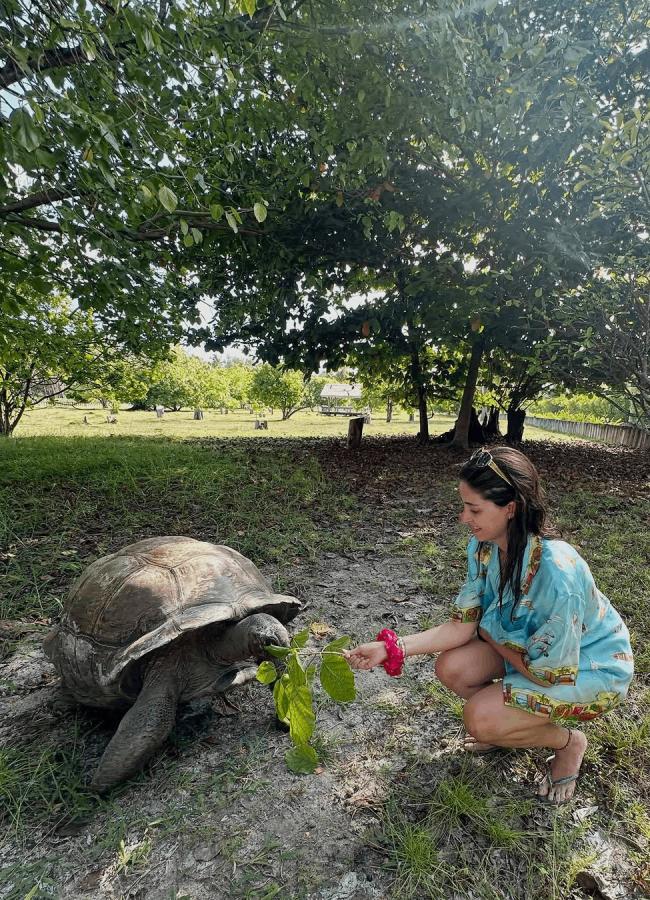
367,656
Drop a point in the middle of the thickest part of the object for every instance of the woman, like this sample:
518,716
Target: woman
532,645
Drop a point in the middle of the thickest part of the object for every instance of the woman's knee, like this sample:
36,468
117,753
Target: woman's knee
450,670
479,722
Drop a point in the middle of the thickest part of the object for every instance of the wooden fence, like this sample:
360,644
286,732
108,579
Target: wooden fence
619,435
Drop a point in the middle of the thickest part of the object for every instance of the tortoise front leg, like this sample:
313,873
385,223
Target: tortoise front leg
143,729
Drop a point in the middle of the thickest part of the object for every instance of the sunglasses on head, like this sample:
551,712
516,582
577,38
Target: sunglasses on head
482,459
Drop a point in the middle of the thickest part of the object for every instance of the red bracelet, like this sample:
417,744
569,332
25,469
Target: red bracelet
394,662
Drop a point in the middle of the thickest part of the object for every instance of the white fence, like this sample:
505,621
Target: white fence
619,435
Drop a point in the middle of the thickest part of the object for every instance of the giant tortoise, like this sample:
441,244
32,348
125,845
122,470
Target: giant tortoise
162,621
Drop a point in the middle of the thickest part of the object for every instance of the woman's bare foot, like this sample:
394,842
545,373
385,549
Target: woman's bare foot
565,764
471,745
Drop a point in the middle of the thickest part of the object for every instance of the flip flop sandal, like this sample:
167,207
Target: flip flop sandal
553,782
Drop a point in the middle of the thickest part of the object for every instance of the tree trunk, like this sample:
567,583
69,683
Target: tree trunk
389,410
421,391
515,432
355,432
491,427
461,433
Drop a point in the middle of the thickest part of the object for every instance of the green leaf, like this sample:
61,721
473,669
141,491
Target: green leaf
188,240
184,226
337,678
295,670
278,652
302,760
109,137
89,49
260,211
26,133
300,713
338,644
216,211
281,698
197,235
167,198
232,221
249,6
45,158
299,640
266,672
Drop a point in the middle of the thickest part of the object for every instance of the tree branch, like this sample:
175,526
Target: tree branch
39,224
39,199
44,60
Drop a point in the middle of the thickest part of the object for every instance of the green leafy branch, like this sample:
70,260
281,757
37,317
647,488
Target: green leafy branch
292,691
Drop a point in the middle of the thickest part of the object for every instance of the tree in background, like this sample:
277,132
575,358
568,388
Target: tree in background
47,348
281,159
283,389
184,380
577,408
239,379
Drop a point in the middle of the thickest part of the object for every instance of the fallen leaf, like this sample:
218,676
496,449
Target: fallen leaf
321,629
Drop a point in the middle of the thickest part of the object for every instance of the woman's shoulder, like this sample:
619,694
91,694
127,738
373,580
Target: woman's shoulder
560,555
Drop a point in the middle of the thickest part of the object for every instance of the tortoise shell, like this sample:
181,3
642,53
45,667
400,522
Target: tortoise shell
141,598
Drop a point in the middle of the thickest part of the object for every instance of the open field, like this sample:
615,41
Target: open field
68,420
365,539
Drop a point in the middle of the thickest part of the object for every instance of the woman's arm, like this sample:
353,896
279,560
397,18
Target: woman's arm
513,657
443,637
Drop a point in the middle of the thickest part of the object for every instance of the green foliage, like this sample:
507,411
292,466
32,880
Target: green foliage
274,387
48,347
292,691
456,171
577,408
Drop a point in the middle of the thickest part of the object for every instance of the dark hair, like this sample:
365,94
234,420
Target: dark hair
530,506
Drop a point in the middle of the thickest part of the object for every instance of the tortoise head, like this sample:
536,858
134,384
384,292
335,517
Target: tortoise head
243,640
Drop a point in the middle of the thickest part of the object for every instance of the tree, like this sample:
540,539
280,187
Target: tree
239,378
285,389
495,183
601,340
183,380
46,349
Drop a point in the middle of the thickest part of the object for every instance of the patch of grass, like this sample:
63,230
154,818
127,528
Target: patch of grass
611,533
68,421
621,739
64,502
42,785
455,841
442,696
414,857
132,855
21,881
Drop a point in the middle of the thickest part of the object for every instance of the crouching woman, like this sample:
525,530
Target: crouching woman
532,646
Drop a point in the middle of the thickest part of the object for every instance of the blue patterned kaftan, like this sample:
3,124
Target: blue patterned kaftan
570,635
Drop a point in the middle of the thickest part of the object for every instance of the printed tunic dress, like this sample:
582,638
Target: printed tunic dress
570,636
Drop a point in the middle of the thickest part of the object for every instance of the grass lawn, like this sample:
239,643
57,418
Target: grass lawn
69,421
71,492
